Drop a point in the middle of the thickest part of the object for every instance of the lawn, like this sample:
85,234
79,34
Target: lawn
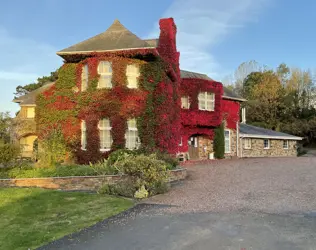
31,217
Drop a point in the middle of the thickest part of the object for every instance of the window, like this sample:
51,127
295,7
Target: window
227,141
206,101
131,134
266,144
105,72
286,144
185,104
247,144
84,78
180,144
83,135
105,134
30,112
132,73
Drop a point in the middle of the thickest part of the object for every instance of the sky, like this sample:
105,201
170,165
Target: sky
214,37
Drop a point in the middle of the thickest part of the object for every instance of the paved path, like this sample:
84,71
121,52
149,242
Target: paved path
231,204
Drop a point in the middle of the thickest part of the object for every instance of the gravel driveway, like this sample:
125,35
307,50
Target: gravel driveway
267,203
272,185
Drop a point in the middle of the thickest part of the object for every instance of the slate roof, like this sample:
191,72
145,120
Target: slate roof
250,131
116,37
228,94
30,98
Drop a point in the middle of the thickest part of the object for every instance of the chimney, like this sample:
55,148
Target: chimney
243,115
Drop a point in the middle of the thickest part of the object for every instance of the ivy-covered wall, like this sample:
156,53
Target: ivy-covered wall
195,121
155,103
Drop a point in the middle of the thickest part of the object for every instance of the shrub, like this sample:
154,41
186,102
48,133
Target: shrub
53,149
145,171
219,142
126,188
103,168
170,161
8,153
118,155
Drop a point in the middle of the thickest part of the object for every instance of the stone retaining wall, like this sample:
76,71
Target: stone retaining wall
72,183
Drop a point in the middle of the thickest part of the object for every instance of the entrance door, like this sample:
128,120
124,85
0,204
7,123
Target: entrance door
193,147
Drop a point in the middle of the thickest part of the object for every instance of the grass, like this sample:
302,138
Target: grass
32,217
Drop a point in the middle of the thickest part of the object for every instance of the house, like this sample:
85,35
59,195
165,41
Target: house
116,90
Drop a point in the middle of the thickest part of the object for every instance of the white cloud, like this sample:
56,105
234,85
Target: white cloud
22,61
202,24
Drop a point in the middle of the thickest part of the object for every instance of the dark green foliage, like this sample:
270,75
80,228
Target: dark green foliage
41,81
8,153
219,142
119,155
5,124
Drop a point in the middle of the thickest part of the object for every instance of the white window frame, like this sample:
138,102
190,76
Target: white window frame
109,128
131,129
209,105
229,139
247,145
132,73
185,102
264,147
84,77
181,143
287,144
29,113
83,135
105,74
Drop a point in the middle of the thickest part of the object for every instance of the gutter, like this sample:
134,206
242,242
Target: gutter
296,138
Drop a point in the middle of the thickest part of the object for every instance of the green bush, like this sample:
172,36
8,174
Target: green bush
170,161
126,188
118,155
144,170
8,153
103,168
219,142
53,149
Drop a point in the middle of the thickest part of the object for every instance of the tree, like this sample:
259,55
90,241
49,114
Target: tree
22,90
243,71
219,142
5,124
265,96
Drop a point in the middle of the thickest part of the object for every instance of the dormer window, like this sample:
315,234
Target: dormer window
105,72
206,101
84,77
132,74
185,104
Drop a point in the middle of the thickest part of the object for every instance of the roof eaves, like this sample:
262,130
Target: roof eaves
92,51
234,98
279,137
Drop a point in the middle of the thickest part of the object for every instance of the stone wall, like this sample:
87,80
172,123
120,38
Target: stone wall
85,183
233,144
205,147
276,148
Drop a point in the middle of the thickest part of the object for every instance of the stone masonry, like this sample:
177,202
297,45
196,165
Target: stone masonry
82,183
276,148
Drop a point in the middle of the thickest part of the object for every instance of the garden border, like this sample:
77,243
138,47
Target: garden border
79,183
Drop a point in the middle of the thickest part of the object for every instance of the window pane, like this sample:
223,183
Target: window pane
104,123
202,104
132,82
83,135
104,67
132,70
105,81
131,123
185,102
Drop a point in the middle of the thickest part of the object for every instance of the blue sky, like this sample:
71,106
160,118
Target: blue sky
214,37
